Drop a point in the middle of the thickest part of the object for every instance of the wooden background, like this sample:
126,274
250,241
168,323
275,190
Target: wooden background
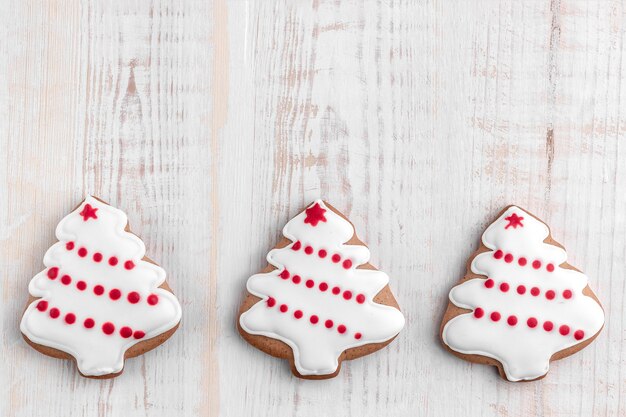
211,123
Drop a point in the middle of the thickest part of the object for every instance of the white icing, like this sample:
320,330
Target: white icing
97,353
316,349
524,352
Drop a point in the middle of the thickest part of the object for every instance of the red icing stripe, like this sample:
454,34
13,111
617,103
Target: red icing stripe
322,253
70,319
313,318
521,290
323,287
532,322
97,257
521,261
115,294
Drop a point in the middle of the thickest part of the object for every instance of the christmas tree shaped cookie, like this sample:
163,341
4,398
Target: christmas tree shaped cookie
520,305
99,300
319,301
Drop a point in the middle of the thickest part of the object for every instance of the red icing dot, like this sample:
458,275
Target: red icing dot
271,302
512,320
504,287
42,305
112,261
548,326
126,332
97,257
133,297
129,265
498,254
579,335
550,295
357,336
347,264
489,283
360,298
314,319
537,264
115,294
329,324
297,314
521,289
508,258
323,286
567,294
89,323
347,295
308,250
69,245
535,291
70,318
532,322
98,290
296,246
336,258
336,290
522,261
138,334
309,283
153,299
108,328
550,268
322,253
285,274
53,273
54,312
495,316
341,329
479,312
81,285
66,280
564,330
283,308
296,279
82,252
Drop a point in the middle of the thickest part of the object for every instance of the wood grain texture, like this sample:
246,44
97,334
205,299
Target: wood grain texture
212,122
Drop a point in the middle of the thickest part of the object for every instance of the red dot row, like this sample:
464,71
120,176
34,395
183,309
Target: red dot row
322,253
508,258
108,328
98,257
133,297
313,319
323,287
531,322
534,291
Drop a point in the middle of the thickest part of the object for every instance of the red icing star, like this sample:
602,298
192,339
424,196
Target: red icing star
514,220
315,215
88,212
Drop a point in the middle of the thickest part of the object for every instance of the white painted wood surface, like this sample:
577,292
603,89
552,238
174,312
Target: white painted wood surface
213,122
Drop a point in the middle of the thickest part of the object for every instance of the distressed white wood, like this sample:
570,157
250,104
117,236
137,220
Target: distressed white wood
213,122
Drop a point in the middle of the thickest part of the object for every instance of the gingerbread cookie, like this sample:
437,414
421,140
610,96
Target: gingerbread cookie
319,301
99,300
520,304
